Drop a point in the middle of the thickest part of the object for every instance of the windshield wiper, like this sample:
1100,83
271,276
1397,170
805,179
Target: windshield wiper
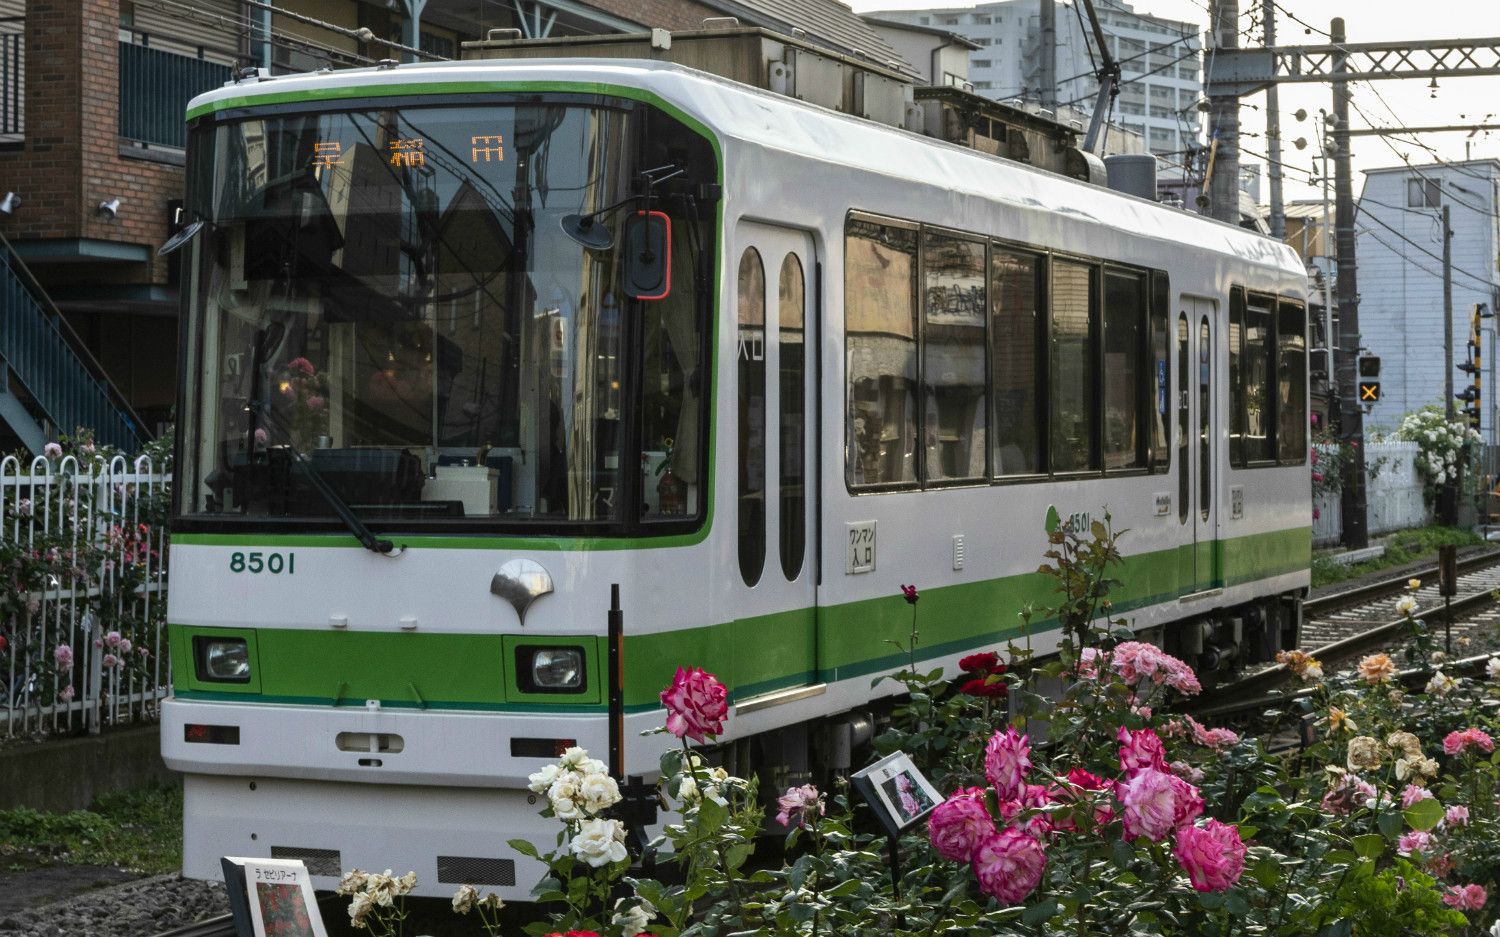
357,527
258,407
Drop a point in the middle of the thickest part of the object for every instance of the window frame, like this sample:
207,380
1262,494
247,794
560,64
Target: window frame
1151,278
1240,299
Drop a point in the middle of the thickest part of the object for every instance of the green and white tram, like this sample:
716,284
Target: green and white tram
468,344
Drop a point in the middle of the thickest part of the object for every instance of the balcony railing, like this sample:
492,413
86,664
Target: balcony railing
12,78
155,87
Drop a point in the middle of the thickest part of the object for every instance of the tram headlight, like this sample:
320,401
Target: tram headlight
552,669
223,660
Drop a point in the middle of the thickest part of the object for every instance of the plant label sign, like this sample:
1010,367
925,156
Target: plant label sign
272,898
898,793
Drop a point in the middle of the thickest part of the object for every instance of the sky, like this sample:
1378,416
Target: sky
1385,103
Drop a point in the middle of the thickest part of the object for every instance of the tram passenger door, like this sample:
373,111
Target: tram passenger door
776,407
1197,447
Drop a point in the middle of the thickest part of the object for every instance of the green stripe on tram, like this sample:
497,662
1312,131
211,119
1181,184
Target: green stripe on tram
449,671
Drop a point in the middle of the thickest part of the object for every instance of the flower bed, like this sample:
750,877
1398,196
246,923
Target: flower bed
1128,818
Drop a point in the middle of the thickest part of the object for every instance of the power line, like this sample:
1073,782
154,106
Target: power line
1488,284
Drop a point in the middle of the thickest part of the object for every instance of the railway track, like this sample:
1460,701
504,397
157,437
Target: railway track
1346,624
221,926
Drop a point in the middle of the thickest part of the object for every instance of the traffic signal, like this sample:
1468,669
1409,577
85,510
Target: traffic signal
1369,367
1369,391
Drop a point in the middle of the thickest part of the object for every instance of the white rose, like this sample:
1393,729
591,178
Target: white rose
542,780
563,795
1406,605
634,919
599,842
687,791
464,898
1313,672
599,792
1441,684
573,757
1492,669
359,909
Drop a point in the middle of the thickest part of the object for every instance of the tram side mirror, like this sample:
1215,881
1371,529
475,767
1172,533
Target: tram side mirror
647,243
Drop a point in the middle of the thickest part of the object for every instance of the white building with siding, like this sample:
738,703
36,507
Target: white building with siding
1400,267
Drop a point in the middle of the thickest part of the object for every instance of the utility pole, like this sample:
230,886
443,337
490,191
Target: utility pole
1273,130
1448,503
1351,415
1048,80
1224,123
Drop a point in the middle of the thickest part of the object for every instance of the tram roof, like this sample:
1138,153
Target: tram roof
744,115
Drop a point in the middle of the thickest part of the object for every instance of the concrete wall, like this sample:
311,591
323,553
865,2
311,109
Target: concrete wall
69,774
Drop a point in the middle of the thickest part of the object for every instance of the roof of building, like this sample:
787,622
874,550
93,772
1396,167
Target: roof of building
825,22
1307,208
952,37
1434,167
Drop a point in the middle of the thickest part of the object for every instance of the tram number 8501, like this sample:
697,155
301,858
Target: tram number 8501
258,562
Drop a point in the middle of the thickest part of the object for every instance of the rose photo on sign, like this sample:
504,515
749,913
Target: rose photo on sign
897,791
272,897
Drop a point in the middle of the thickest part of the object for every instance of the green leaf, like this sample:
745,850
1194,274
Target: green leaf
843,889
1423,815
1038,913
1123,853
1389,823
1236,904
1369,845
524,847
735,855
1211,900
1267,872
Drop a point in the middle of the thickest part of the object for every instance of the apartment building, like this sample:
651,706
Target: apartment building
1160,64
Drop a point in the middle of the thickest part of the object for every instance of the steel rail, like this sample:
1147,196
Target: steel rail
1345,647
221,926
1372,590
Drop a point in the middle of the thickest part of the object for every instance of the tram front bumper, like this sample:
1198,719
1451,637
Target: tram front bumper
369,745
448,836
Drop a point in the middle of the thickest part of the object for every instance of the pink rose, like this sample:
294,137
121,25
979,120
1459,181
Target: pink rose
1465,897
316,402
909,805
1006,762
67,693
797,804
1136,661
959,824
63,654
1088,663
1412,794
696,704
261,436
1456,743
1212,855
1417,841
303,365
111,660
1009,865
125,645
52,450
1150,804
1140,749
1457,815
112,638
1188,804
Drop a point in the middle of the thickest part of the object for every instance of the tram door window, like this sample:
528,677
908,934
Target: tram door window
1205,431
791,338
1016,333
953,351
1291,374
1071,367
751,371
1159,381
1257,360
1184,424
1124,321
880,327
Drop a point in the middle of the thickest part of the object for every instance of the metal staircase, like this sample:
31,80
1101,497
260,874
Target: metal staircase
49,382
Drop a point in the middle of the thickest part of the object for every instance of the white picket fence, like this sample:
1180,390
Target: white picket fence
1393,495
83,583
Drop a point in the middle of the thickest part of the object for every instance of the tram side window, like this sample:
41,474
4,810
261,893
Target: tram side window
751,368
1257,362
1291,374
1071,368
880,350
1016,367
1159,380
1124,318
953,365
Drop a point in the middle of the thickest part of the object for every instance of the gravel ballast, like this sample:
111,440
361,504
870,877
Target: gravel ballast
135,909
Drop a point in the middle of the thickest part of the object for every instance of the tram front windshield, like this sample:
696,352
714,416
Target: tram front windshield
388,298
